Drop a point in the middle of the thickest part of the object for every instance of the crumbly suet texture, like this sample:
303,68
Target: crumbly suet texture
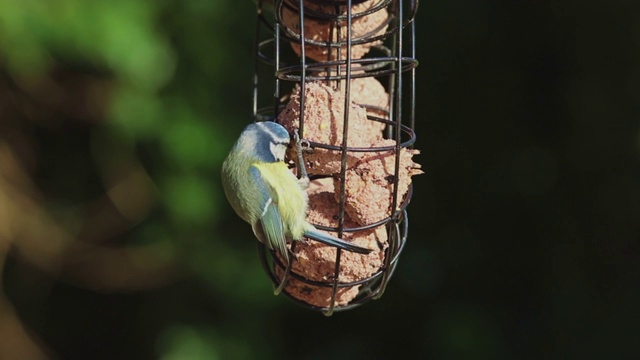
316,261
369,183
324,123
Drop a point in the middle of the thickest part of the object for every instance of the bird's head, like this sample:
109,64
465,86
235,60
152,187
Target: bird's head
268,140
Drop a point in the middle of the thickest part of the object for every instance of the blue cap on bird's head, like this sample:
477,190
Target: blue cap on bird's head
277,133
265,140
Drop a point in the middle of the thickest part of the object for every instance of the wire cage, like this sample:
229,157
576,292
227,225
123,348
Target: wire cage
338,50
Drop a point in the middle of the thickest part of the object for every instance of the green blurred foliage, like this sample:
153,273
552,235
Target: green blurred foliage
164,66
521,233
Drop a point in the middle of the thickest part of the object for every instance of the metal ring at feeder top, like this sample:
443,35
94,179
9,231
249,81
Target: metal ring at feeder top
293,6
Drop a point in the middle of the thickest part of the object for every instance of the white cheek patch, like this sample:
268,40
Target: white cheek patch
277,151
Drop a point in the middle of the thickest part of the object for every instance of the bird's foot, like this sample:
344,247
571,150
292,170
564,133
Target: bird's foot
303,177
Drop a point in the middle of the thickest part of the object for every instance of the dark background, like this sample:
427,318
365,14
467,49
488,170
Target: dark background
116,241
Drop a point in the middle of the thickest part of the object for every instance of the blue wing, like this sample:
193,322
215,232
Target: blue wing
269,228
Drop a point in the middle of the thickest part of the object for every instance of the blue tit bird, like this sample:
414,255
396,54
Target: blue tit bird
266,194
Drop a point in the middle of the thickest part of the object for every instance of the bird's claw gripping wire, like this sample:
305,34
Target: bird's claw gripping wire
303,177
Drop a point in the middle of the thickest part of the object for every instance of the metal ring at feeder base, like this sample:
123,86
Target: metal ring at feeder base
367,289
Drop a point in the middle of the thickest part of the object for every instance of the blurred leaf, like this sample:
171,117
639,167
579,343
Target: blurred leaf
195,343
190,141
223,267
190,199
186,343
118,34
138,112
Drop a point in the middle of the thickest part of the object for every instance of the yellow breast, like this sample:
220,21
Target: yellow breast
290,199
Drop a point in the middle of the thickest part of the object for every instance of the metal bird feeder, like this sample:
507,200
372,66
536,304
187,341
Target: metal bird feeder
328,56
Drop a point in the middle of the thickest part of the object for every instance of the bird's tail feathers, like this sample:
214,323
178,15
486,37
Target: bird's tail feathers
324,238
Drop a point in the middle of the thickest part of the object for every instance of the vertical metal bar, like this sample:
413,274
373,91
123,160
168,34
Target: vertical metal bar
256,49
412,100
276,48
343,147
303,65
394,237
398,110
345,125
392,77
